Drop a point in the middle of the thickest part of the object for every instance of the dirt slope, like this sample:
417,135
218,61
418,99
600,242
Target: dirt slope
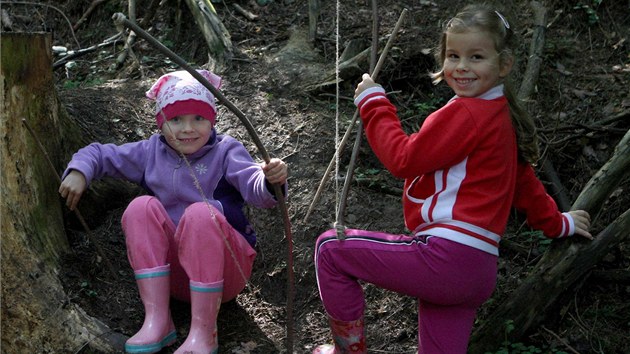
584,80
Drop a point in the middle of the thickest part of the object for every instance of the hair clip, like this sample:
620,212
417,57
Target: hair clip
449,23
505,23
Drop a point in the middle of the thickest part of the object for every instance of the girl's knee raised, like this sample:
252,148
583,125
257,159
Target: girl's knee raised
140,205
202,211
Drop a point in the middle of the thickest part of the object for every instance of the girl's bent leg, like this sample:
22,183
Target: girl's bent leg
444,329
388,261
450,280
148,233
150,237
210,250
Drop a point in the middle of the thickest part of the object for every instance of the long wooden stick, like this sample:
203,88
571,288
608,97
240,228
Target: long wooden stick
341,210
342,144
88,232
120,19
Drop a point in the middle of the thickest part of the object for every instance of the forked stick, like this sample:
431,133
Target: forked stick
344,140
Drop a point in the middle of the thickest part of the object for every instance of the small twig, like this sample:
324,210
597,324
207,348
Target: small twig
516,247
250,16
76,211
87,13
377,185
601,125
345,98
570,348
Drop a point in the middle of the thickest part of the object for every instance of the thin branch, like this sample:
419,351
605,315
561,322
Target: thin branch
530,77
601,125
78,53
570,348
340,221
87,13
247,14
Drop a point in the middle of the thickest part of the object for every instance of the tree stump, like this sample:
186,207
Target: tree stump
37,315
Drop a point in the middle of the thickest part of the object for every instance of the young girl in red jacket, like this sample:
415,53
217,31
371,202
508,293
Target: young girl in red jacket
469,163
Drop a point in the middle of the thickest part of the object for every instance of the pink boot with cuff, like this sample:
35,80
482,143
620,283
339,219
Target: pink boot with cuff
158,330
205,302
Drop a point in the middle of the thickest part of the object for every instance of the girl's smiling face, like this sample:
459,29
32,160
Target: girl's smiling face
187,133
472,65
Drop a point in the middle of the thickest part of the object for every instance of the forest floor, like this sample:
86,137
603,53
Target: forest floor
581,106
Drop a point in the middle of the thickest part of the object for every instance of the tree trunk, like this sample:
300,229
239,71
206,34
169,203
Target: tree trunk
37,315
216,35
564,263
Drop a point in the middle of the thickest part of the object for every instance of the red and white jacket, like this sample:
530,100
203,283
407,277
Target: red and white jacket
461,170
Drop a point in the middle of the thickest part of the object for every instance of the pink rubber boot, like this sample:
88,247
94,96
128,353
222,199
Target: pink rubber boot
205,301
158,330
349,337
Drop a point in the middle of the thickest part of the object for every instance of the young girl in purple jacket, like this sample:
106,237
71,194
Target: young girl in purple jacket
188,238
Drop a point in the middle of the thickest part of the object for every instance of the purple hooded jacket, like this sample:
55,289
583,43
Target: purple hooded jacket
226,172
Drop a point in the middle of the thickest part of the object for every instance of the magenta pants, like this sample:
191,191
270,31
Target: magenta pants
203,247
450,281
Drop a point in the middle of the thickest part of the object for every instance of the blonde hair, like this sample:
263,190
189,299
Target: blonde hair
484,18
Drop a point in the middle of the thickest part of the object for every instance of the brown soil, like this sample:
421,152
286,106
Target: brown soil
583,81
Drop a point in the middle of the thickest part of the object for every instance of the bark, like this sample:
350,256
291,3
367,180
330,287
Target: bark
314,10
37,315
536,50
217,37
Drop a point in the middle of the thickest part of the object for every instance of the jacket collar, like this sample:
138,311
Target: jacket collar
491,94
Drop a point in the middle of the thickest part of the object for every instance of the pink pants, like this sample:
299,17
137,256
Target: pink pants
202,248
450,281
